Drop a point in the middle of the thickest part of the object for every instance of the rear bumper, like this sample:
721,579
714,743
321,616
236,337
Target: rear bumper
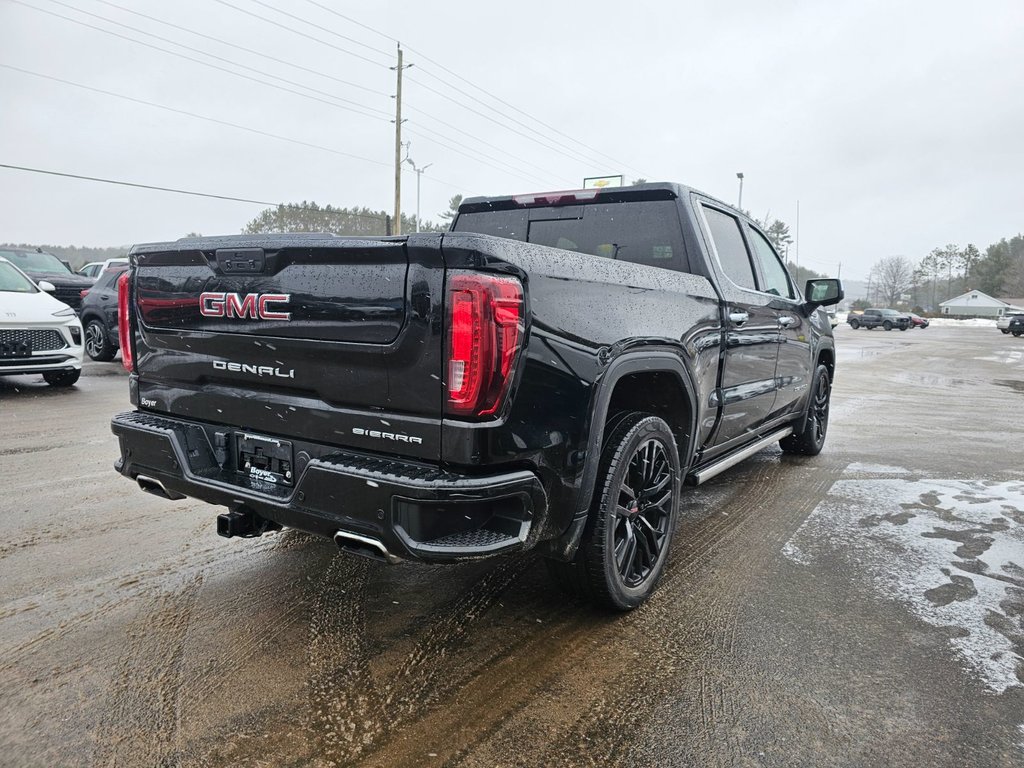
413,509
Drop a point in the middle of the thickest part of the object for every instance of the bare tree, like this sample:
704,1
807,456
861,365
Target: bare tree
894,275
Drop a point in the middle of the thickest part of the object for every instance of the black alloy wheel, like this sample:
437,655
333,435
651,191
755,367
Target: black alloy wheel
642,513
632,519
811,439
97,343
887,325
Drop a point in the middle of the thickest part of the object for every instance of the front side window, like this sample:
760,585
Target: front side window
776,279
732,252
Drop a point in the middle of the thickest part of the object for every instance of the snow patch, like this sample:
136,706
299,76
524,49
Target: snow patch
951,551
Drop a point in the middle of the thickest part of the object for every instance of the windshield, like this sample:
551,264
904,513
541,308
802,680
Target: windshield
12,281
36,261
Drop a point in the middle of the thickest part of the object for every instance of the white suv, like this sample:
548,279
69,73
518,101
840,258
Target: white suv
1003,322
38,334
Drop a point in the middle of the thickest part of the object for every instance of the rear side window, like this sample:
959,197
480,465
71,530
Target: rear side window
732,252
646,232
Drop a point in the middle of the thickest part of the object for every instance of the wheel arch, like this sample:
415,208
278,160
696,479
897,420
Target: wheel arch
655,382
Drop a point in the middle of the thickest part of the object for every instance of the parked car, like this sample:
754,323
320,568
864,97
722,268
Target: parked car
93,269
99,316
38,334
887,319
1003,322
1016,325
547,375
40,265
916,321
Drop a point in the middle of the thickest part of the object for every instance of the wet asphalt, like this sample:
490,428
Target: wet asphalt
861,608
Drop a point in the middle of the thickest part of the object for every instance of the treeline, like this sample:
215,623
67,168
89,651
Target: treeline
310,217
949,271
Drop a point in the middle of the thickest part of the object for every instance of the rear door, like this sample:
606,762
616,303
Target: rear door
746,394
335,340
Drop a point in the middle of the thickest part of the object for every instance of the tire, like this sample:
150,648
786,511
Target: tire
1005,330
1017,333
811,440
887,325
97,342
632,517
904,327
855,324
62,378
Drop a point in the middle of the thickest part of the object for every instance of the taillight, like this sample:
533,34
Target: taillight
485,332
124,322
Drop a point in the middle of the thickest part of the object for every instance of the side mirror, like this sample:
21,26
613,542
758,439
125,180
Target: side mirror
45,285
823,292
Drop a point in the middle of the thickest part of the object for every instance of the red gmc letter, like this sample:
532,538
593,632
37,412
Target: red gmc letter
211,304
274,298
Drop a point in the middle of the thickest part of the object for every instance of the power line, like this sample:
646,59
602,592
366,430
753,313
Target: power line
291,82
209,119
195,115
551,147
198,61
472,84
199,51
308,23
301,34
193,193
237,47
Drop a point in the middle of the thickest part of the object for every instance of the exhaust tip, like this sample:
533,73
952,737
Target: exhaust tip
157,488
364,546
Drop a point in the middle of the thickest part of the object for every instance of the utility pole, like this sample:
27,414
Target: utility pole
397,222
739,204
419,174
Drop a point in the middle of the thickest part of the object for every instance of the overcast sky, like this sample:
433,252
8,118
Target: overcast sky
898,126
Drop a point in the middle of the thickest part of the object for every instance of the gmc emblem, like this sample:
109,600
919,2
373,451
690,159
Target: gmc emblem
255,306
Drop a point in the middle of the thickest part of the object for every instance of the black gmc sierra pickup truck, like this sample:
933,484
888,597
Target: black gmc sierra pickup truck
548,374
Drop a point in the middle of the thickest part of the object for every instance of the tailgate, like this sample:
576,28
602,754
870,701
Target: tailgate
331,339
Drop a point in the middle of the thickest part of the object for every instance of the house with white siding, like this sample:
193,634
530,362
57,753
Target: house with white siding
978,304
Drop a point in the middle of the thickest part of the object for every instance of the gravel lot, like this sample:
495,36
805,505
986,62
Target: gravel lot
862,608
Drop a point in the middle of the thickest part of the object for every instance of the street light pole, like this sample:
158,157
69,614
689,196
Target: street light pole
739,204
419,175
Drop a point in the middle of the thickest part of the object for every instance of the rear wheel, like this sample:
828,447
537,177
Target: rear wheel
887,325
632,518
1005,330
855,324
97,342
61,378
811,439
1017,333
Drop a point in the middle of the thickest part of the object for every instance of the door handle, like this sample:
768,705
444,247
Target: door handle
738,318
787,320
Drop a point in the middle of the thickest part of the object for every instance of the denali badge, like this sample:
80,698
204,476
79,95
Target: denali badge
257,370
387,436
255,306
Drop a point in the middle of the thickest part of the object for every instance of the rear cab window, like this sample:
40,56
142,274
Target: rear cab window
643,232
